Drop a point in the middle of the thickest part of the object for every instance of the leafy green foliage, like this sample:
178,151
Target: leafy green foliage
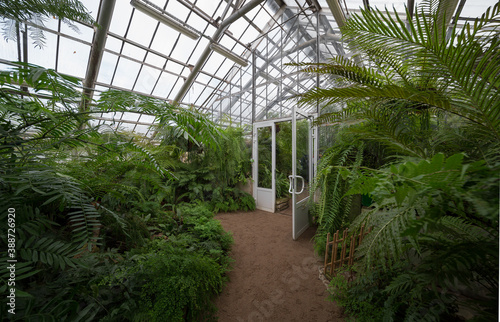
430,98
25,9
230,163
89,201
174,276
179,285
333,209
442,75
440,217
186,123
231,199
53,122
362,298
453,74
201,184
14,14
370,296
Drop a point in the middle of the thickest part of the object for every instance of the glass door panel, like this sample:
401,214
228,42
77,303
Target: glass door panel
264,165
302,163
264,150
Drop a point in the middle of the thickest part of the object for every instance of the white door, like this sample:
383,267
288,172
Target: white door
304,156
264,166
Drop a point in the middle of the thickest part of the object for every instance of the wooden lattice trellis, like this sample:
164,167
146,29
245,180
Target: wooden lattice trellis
345,257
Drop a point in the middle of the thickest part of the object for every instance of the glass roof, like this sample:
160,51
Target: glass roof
149,57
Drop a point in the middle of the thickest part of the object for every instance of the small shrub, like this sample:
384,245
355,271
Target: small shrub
231,199
195,209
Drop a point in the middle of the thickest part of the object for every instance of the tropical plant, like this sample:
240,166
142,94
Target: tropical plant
42,197
53,163
420,68
431,98
440,218
56,221
230,163
89,199
333,209
175,275
25,9
186,122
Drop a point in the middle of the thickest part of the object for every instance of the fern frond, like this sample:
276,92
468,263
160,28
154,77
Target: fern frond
333,206
384,244
36,33
48,251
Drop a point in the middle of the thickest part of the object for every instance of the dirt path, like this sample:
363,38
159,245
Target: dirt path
274,278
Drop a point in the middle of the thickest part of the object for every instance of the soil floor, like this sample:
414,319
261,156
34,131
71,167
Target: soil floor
274,278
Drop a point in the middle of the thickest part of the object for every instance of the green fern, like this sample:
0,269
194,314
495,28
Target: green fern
332,208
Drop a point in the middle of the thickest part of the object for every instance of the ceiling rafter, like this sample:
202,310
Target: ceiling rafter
97,49
215,38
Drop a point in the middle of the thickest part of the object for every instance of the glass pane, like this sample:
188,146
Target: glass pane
302,158
264,157
73,57
283,158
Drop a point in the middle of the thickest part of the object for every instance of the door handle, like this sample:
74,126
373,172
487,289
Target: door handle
291,184
303,184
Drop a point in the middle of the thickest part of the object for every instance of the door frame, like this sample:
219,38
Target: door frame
265,198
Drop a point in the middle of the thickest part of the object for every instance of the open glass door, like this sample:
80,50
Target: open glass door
303,163
264,156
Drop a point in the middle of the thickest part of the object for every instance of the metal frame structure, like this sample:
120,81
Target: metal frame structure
134,52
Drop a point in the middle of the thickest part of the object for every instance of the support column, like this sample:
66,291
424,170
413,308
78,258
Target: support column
254,84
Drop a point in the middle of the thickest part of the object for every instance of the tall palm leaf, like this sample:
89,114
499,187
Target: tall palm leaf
419,66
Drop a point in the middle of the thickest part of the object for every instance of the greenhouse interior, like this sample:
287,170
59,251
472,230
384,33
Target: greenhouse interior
249,160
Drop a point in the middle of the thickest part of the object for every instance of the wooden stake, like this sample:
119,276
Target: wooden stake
361,234
342,256
351,251
326,251
334,251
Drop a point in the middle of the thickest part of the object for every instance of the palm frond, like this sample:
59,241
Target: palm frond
418,65
26,9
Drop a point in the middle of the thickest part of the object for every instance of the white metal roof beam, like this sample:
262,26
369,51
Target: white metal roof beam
255,44
337,12
411,7
94,63
215,38
269,60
